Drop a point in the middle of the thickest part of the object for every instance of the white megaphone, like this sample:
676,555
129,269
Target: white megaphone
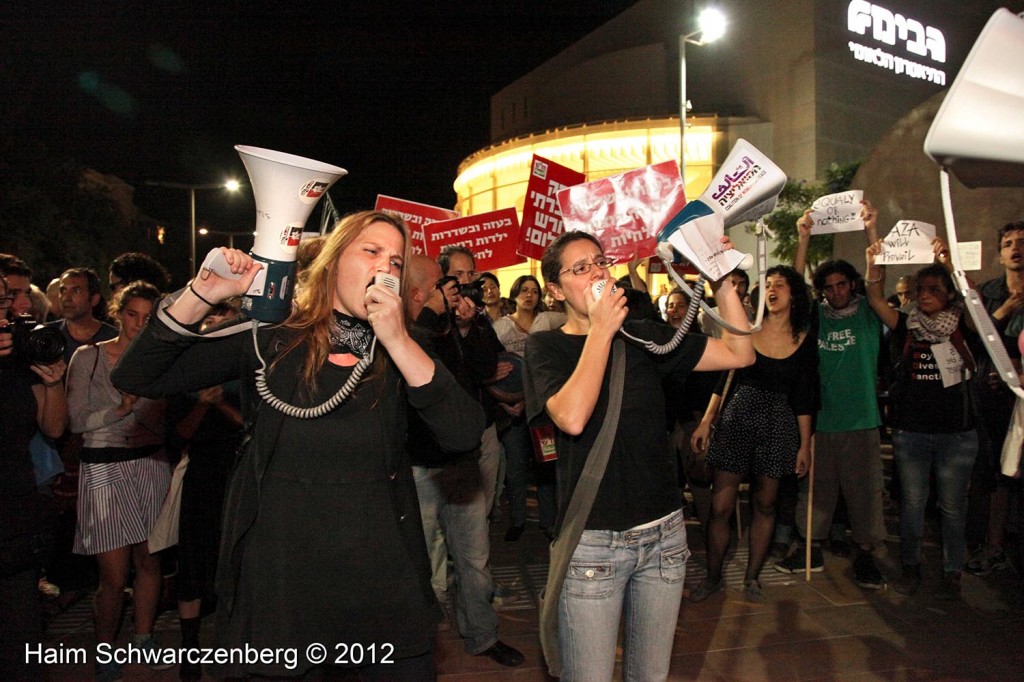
286,188
745,188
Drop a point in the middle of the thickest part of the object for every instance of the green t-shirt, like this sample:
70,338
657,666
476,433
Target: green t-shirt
848,368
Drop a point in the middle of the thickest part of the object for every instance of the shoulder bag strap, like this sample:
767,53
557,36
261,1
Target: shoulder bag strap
578,511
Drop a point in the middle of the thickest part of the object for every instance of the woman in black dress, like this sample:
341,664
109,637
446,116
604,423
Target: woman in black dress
765,428
322,540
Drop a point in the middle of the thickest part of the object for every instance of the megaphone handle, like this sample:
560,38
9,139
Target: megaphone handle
218,265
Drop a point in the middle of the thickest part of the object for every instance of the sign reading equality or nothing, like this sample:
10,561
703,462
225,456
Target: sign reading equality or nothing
837,213
416,216
542,219
490,236
909,242
626,211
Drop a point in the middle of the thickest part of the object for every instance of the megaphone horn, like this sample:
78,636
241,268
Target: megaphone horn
286,189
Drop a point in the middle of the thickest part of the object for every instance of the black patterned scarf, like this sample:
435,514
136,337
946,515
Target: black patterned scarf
350,335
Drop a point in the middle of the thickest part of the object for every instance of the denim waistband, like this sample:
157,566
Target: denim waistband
635,536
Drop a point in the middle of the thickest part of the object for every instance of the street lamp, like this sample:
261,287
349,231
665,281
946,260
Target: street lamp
710,27
230,235
230,185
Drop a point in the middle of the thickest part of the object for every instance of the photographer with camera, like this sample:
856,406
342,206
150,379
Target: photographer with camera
32,399
463,490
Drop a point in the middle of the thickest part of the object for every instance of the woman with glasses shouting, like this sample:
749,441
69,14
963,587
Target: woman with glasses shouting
633,552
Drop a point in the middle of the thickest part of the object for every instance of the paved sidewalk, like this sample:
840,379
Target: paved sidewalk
825,629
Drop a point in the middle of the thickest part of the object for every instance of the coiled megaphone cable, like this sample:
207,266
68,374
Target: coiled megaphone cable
324,408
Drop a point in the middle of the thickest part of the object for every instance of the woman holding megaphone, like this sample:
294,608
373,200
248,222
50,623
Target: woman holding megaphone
632,552
322,540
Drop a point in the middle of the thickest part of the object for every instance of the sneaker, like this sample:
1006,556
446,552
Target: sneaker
752,591
949,588
108,672
706,589
502,653
909,581
152,654
866,573
986,559
794,563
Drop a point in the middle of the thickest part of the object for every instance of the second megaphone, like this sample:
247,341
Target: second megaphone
286,188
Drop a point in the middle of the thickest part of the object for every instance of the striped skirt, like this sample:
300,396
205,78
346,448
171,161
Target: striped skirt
118,502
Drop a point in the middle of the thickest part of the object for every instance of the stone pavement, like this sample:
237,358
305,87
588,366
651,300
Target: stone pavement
824,629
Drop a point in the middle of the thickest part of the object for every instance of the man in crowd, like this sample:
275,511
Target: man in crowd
450,486
847,445
79,302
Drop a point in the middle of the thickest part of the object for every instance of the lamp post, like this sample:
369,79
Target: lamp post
230,185
710,27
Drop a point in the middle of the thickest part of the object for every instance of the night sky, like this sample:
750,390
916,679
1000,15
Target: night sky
397,93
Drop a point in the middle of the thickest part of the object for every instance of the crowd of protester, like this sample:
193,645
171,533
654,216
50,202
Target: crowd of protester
372,523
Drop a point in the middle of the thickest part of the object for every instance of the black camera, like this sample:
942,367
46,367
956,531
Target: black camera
33,343
474,291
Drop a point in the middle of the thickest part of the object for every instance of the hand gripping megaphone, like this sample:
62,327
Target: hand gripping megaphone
286,189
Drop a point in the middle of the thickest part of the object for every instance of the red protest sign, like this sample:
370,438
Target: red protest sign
626,211
415,215
490,236
542,219
657,267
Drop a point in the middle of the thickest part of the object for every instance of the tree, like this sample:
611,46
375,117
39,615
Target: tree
795,198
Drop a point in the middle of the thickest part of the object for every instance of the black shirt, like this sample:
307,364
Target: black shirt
639,485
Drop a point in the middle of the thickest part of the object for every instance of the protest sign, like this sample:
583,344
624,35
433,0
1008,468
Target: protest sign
490,236
910,241
970,256
837,213
542,219
626,211
415,215
703,247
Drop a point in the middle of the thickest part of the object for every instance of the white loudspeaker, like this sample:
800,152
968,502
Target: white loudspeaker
978,134
745,188
286,188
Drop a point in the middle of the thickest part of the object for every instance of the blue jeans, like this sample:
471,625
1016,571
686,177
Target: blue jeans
639,571
952,457
452,499
519,458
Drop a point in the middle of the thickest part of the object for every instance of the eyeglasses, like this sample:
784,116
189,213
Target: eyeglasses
583,267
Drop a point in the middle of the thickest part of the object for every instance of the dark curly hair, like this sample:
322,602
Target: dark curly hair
130,267
800,298
842,267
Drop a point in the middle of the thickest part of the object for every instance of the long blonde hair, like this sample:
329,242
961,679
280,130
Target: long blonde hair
314,308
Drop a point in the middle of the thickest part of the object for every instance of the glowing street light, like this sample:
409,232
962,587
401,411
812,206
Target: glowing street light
230,185
710,27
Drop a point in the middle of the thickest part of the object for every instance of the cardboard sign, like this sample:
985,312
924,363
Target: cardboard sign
490,236
837,213
910,241
625,212
416,215
542,219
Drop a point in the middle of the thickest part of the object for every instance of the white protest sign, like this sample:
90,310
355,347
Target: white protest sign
703,246
837,213
951,365
970,255
910,241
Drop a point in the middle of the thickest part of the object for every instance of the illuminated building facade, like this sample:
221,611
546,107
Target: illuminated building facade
809,82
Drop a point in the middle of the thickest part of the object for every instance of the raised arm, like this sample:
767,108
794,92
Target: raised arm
732,350
803,230
874,283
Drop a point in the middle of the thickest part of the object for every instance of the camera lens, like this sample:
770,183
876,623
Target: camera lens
45,346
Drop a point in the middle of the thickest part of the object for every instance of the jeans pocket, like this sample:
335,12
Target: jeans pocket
673,564
590,579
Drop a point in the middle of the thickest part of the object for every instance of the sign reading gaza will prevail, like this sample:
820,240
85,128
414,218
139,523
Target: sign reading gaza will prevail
910,241
492,238
837,213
